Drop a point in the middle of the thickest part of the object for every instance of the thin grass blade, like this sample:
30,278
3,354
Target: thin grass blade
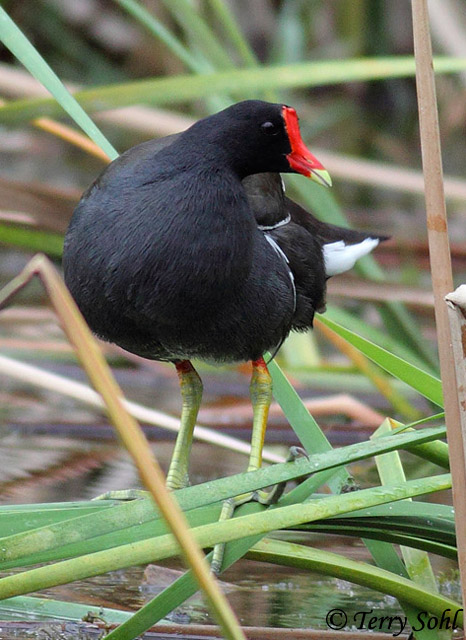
19,45
426,384
246,82
139,512
32,239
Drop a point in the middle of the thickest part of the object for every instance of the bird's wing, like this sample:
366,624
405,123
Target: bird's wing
266,198
341,247
325,232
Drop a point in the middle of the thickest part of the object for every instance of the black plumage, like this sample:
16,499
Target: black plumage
187,247
164,255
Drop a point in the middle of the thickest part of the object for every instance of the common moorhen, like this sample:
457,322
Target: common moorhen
187,247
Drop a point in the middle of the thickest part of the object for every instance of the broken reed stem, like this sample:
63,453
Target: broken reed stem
440,260
456,307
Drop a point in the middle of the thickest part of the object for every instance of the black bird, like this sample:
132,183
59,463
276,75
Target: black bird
187,247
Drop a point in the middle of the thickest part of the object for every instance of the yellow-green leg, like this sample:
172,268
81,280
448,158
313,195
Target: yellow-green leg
261,397
177,478
191,393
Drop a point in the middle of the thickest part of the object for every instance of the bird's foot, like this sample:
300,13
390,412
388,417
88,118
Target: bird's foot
266,498
263,497
296,452
226,513
276,493
123,494
175,481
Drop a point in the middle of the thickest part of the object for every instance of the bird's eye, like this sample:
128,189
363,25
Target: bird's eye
269,128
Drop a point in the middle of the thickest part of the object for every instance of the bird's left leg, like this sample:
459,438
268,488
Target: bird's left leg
261,397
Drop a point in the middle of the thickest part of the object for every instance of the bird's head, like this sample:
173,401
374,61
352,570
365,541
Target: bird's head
258,137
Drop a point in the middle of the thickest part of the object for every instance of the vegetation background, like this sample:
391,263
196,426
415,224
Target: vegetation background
357,115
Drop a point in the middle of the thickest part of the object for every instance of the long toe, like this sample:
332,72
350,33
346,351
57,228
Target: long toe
273,496
123,494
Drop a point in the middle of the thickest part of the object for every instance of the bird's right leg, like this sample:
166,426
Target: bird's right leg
177,477
191,393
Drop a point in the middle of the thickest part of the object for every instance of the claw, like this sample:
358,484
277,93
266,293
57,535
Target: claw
296,452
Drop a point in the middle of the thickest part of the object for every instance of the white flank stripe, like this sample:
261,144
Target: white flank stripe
282,254
277,225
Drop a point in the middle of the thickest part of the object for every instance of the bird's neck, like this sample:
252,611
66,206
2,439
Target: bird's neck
214,215
230,158
224,220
